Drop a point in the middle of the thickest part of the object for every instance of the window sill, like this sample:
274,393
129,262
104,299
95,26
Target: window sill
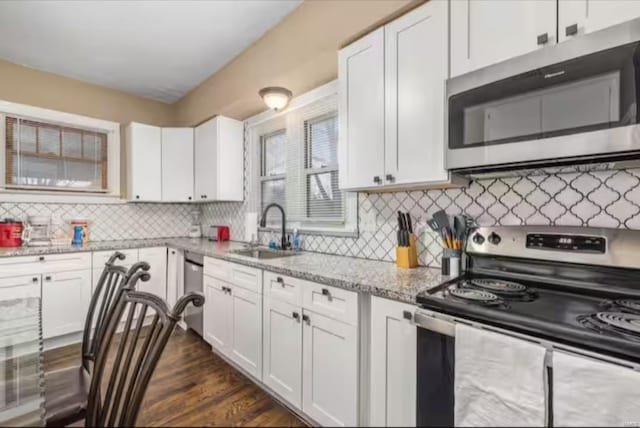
340,233
39,196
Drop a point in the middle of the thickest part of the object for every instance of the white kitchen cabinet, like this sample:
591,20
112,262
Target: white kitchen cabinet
177,164
392,103
157,259
246,330
330,371
282,350
393,364
217,314
144,162
361,119
416,47
489,31
101,257
577,17
65,301
219,160
175,275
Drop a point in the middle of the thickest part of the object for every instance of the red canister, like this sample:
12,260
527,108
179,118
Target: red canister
10,233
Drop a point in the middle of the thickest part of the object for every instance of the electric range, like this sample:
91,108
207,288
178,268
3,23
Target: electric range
578,286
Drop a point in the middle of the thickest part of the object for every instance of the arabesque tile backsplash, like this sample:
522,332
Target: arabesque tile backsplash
595,198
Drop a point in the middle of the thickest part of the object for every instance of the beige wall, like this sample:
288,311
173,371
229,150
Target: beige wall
41,89
300,53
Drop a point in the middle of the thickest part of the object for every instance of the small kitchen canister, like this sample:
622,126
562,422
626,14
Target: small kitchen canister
84,224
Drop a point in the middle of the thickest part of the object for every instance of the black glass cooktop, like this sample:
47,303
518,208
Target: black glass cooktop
595,319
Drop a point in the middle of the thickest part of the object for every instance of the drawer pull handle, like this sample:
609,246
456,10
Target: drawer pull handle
47,278
543,39
34,279
280,280
325,292
41,258
407,315
571,30
296,316
306,319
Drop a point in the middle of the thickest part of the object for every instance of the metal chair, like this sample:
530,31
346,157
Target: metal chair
67,390
117,389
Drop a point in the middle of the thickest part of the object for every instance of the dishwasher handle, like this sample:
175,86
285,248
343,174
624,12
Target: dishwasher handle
431,323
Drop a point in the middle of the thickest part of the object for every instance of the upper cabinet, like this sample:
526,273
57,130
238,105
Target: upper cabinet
177,164
576,17
219,160
392,98
485,32
144,162
489,31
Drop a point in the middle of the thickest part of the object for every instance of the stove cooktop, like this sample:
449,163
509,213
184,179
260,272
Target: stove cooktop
598,321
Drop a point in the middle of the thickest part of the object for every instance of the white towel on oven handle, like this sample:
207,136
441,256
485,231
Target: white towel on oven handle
588,392
499,380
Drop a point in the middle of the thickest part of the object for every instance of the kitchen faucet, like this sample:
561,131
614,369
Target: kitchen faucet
263,223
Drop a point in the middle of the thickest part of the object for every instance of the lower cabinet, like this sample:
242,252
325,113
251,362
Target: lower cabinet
393,364
65,301
18,287
233,323
282,350
157,259
330,371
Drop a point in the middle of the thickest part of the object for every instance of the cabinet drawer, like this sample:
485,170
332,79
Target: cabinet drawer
14,266
19,287
333,302
283,288
216,268
101,257
246,277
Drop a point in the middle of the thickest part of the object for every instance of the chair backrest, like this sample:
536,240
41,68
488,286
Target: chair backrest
125,363
103,300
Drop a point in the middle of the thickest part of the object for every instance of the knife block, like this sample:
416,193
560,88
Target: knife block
407,257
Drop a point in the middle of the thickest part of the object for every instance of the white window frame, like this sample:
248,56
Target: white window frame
270,121
112,129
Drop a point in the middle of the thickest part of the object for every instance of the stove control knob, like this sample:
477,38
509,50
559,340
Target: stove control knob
494,238
478,239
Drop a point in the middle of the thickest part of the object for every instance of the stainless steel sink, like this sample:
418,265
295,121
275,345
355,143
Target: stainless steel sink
264,253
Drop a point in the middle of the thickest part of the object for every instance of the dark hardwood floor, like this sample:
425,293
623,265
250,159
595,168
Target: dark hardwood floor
192,386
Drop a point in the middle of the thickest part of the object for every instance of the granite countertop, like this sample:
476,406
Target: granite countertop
368,276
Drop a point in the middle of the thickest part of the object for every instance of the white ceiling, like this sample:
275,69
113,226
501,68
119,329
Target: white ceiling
156,49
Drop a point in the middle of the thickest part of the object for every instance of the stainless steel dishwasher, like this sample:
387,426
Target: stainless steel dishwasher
193,270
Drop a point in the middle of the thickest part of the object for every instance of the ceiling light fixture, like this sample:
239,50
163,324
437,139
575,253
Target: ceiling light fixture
275,97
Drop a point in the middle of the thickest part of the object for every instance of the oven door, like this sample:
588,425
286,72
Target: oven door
572,110
435,371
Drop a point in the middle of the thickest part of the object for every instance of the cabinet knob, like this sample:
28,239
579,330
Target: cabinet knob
280,280
296,316
137,196
390,178
377,180
325,292
407,315
204,196
571,30
189,198
41,258
543,39
34,279
47,278
306,319
173,251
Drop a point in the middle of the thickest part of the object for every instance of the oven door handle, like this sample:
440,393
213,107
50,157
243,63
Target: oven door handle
431,323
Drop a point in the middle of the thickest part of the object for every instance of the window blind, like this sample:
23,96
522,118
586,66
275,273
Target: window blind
41,155
273,155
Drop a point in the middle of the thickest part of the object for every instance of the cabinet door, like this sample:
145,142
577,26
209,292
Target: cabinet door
393,364
330,371
489,31
593,15
157,259
65,301
175,275
230,156
217,314
206,160
177,164
246,330
416,65
19,287
361,121
282,351
144,172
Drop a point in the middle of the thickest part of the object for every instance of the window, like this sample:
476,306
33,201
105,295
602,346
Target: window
296,154
273,157
43,155
324,200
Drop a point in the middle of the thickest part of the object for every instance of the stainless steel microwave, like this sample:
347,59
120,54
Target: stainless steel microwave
572,103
